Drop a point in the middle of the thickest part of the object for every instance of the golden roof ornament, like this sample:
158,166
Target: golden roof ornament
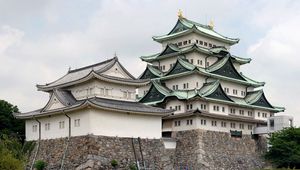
211,24
179,14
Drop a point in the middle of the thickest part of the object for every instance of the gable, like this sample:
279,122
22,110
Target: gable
228,70
219,94
168,50
148,74
178,28
152,95
178,68
53,103
117,71
262,101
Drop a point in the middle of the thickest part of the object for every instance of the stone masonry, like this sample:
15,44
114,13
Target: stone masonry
196,149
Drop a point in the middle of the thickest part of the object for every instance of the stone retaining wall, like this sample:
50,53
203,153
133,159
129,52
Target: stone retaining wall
198,149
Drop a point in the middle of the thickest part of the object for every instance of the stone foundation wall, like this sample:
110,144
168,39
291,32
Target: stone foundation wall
97,152
201,149
197,149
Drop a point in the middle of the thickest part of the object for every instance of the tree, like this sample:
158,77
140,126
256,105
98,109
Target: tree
285,148
9,124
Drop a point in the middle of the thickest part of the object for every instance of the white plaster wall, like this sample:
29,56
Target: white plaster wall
197,125
173,103
54,103
191,79
98,88
232,86
166,62
110,123
211,108
117,71
193,37
143,90
55,131
257,111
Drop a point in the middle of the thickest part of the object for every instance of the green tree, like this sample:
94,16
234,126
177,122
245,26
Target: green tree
9,124
285,148
11,154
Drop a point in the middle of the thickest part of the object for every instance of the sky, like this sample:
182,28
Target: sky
40,40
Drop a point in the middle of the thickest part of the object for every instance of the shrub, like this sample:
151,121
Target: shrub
40,164
114,163
132,166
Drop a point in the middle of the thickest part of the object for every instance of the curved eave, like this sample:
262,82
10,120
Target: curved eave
83,105
194,29
92,75
168,77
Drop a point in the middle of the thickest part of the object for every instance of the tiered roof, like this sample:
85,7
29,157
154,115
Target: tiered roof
211,91
185,26
223,69
172,50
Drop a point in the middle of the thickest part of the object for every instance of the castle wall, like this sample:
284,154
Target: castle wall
197,149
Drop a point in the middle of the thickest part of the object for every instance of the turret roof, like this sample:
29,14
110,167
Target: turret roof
185,26
92,71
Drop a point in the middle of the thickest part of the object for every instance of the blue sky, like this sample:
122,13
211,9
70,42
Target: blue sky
40,40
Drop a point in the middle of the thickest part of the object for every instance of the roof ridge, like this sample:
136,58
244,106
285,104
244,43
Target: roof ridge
93,65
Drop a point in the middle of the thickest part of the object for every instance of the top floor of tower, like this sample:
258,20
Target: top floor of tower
187,32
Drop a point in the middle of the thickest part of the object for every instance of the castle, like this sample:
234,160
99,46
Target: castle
190,107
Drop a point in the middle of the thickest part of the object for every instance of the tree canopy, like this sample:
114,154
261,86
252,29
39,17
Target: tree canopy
9,124
284,148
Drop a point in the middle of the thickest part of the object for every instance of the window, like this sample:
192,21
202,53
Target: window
213,123
241,126
201,62
226,90
203,106
241,112
197,84
232,125
198,62
176,87
61,124
216,108
192,61
201,42
187,107
223,124
258,114
223,109
203,122
189,41
189,122
163,67
176,107
205,43
232,110
197,41
170,107
180,44
210,45
214,45
47,126
179,107
191,106
207,64
250,113
184,86
77,122
177,122
243,93
171,66
187,85
34,128
234,91
184,42
250,127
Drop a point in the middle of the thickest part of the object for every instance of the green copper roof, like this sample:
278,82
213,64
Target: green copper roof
180,66
185,26
216,51
151,72
211,91
184,68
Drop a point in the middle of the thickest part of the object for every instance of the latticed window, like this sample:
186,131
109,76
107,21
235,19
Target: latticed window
61,124
77,122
